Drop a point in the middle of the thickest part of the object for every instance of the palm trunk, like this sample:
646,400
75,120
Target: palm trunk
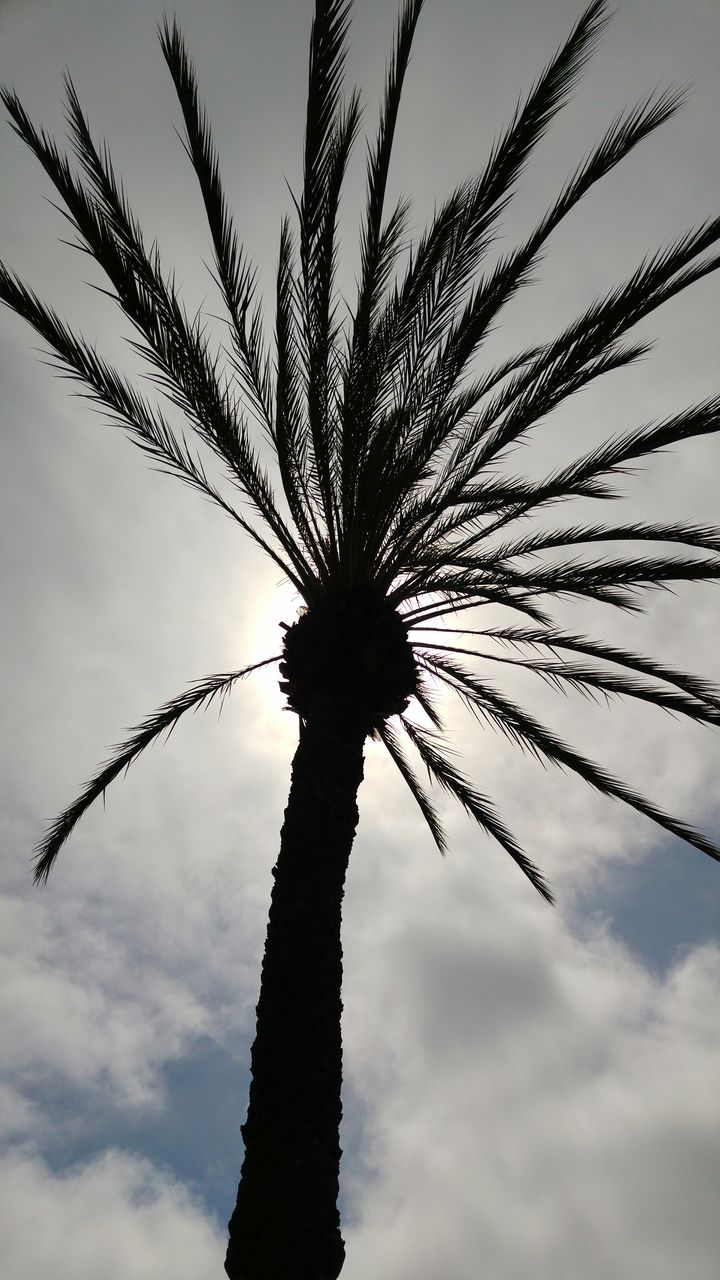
286,1224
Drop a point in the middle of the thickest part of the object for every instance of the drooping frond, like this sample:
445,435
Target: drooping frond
526,731
423,801
477,805
427,704
161,721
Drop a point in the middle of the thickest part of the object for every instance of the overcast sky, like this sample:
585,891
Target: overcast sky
527,1091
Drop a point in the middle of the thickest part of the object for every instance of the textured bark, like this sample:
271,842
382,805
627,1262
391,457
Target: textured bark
286,1224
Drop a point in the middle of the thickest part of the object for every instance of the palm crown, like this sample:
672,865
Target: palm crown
389,441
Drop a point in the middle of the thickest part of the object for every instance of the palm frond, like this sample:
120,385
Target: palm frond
435,282
126,407
173,344
330,131
452,249
588,476
411,469
451,602
702,690
516,269
291,436
577,577
584,350
588,679
379,249
587,348
235,274
325,361
460,554
421,797
477,805
525,730
425,701
161,721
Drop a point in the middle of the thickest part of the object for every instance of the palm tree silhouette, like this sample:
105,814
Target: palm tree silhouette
397,513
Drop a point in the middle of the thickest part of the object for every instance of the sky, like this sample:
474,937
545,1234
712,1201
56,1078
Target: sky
527,1091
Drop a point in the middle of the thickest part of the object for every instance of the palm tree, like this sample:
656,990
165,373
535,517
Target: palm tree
396,515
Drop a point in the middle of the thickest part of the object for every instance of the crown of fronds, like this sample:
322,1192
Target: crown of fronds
389,443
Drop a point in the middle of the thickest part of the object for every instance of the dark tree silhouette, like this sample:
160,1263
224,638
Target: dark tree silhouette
398,510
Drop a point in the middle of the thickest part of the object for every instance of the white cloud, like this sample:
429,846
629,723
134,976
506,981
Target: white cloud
116,1217
76,1007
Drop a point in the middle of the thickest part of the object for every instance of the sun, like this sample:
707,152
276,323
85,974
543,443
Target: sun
275,604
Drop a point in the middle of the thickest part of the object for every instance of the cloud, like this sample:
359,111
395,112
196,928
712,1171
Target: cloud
18,1116
116,1216
76,1009
535,1100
